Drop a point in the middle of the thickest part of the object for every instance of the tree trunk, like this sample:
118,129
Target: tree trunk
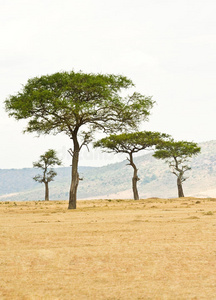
134,179
134,185
74,175
180,188
46,191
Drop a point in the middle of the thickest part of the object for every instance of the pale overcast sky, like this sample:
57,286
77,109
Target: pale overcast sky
168,49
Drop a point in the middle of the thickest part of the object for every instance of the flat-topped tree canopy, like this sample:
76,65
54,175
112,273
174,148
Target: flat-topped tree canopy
177,155
78,104
131,143
65,101
181,150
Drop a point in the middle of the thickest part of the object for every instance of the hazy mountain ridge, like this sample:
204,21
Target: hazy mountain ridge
114,180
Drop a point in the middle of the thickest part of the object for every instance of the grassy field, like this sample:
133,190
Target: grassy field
119,249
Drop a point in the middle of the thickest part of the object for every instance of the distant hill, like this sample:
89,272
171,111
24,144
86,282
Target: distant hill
114,180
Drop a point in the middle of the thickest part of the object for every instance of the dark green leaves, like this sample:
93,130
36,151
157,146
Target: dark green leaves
63,102
180,149
47,160
177,155
131,142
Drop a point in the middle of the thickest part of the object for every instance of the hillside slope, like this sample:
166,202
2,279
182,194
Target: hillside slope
114,180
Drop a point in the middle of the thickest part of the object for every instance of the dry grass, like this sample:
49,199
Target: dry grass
146,249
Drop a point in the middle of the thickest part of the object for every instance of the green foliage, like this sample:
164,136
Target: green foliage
63,102
156,180
181,149
177,155
131,142
47,160
67,101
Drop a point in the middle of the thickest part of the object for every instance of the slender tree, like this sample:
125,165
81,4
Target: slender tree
78,104
177,155
131,143
47,160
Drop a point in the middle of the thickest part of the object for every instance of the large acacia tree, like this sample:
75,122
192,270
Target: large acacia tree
177,155
131,143
78,104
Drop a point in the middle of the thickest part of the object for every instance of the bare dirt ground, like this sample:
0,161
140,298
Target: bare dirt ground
119,249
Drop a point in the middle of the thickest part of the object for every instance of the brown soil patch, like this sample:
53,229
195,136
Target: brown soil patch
119,249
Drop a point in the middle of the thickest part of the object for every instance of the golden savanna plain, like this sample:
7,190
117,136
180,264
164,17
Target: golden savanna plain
108,249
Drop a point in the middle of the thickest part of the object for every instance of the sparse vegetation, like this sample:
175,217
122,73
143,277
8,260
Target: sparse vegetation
131,143
177,155
107,250
78,104
17,184
208,213
46,163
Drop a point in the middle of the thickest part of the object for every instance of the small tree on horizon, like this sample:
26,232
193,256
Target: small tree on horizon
177,155
131,143
47,160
